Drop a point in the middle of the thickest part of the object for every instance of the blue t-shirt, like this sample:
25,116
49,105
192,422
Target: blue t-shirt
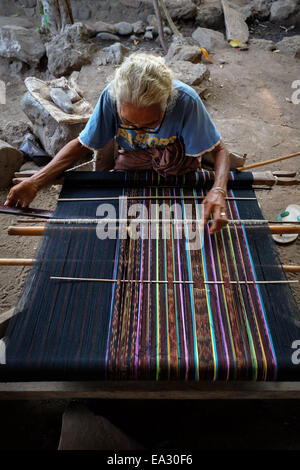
187,118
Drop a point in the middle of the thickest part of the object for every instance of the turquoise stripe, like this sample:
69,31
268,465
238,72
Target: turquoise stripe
191,291
259,293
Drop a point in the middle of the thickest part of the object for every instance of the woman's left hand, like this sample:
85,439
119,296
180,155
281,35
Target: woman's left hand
215,204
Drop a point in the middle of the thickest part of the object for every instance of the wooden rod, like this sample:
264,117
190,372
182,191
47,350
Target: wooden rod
28,262
236,222
291,269
40,229
30,231
286,229
267,162
16,261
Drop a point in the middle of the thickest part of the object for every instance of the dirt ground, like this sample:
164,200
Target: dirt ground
248,99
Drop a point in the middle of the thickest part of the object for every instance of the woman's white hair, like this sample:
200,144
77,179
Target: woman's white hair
143,80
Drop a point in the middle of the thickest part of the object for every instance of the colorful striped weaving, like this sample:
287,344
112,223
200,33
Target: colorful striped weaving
182,329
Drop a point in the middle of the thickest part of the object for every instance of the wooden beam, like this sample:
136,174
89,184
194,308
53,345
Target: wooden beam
40,229
135,390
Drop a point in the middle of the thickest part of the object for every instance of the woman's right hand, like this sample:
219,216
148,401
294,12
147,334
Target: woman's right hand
22,194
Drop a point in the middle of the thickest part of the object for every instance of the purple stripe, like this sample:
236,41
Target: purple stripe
181,296
140,297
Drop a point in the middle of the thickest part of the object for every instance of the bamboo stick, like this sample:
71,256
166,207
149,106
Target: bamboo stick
267,162
150,281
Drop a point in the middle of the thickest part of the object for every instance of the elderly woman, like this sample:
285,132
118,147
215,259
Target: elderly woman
156,122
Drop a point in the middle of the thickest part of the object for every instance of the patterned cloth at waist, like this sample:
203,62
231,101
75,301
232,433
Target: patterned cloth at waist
170,160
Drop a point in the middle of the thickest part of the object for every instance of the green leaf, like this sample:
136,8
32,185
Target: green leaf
15,14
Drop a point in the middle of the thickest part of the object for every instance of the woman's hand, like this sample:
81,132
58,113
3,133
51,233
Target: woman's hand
215,204
22,194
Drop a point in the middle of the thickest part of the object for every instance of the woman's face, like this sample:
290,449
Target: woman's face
141,118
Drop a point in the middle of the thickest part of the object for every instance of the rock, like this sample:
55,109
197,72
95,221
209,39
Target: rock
152,21
52,135
133,38
167,31
257,9
116,53
181,49
210,15
30,12
283,11
14,132
289,45
70,50
10,161
102,27
83,12
107,37
236,27
297,55
15,21
192,75
138,27
263,44
123,28
29,3
62,100
180,10
18,43
131,3
30,165
17,67
148,35
208,38
33,151
83,430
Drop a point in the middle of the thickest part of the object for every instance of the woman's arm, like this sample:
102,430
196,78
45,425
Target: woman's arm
23,193
215,201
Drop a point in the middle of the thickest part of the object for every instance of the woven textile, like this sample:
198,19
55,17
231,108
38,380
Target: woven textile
180,328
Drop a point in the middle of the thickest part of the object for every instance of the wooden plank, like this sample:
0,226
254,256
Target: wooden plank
149,390
236,27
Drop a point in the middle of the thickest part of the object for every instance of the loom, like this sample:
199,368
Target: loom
143,315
